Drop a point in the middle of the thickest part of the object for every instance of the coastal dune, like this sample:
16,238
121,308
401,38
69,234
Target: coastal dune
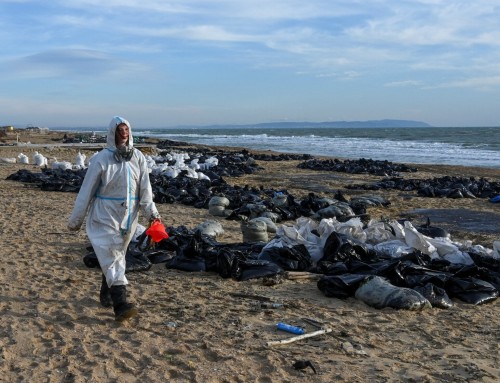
199,327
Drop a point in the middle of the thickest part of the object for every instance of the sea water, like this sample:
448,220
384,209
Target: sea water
475,146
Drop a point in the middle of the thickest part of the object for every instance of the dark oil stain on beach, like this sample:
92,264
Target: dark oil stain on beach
318,183
461,219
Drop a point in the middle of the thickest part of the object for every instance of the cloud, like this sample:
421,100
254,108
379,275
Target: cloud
192,32
227,10
70,62
429,23
481,83
314,35
174,43
402,83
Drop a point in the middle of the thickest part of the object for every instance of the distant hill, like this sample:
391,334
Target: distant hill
334,124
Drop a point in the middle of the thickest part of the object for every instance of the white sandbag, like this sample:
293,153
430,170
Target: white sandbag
209,163
399,230
23,158
80,160
394,249
210,227
270,225
194,164
217,210
203,176
339,209
271,216
171,172
302,230
191,173
250,161
218,201
443,245
217,206
39,159
326,226
377,292
64,165
378,231
254,231
352,228
300,233
459,257
8,160
418,241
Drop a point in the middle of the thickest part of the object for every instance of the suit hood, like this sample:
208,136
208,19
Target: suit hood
110,139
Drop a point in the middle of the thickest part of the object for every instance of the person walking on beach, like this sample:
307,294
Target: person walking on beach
116,186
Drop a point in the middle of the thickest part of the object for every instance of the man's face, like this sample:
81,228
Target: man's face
121,135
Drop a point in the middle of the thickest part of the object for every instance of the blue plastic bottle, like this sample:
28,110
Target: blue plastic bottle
289,328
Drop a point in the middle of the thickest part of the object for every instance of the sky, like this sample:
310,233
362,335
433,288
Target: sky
162,63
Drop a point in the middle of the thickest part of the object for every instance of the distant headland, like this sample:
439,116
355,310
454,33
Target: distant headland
387,123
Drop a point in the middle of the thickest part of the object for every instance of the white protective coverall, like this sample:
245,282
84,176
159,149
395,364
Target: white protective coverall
112,192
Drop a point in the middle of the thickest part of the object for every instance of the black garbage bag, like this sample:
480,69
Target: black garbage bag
295,258
483,260
432,231
340,286
286,214
385,268
186,262
331,268
250,269
490,276
471,290
435,295
192,250
417,275
135,261
341,247
210,256
159,256
227,261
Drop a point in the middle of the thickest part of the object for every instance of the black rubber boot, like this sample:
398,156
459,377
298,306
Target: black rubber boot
123,310
104,294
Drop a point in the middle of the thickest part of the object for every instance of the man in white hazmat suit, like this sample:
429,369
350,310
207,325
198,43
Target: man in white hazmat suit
116,186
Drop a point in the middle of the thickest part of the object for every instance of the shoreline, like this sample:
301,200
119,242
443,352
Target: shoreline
55,137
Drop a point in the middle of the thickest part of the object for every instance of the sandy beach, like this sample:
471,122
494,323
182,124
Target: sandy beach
199,327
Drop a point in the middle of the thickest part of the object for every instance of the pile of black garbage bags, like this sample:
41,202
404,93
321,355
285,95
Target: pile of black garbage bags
348,268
